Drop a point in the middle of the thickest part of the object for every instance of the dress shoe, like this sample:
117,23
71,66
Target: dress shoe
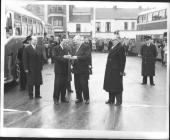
78,101
109,102
118,104
152,84
38,97
64,101
87,102
30,97
70,91
56,102
143,83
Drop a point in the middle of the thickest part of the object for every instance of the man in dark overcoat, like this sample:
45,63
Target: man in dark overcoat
61,59
113,80
81,70
149,54
23,79
32,59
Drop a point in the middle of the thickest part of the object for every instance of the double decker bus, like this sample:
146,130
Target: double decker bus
19,24
154,23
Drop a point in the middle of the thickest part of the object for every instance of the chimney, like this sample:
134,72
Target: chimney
140,7
115,7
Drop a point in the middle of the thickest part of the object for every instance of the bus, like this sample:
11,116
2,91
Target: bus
151,22
19,24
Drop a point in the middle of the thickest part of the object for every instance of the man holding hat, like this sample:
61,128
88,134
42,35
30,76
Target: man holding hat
148,53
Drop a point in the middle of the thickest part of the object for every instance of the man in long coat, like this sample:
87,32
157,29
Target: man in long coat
23,79
113,80
61,59
148,53
32,59
81,71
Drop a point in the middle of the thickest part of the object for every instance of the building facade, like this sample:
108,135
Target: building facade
107,21
68,20
79,21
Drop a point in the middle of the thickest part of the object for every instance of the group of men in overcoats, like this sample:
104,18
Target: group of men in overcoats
80,64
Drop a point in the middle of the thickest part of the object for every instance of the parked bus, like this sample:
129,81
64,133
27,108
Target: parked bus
151,22
19,24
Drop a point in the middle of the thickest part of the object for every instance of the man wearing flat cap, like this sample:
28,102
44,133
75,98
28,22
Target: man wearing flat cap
32,59
149,54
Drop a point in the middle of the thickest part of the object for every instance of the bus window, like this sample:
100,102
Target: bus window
155,16
30,29
18,31
162,14
9,31
24,26
149,17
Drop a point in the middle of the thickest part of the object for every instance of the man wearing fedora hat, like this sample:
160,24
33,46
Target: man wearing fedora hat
148,53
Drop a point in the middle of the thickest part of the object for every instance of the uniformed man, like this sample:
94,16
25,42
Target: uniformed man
149,54
22,77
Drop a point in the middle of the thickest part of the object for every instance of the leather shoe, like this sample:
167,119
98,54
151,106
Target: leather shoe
56,102
70,91
87,102
118,104
152,84
143,83
38,97
30,97
78,101
65,101
109,102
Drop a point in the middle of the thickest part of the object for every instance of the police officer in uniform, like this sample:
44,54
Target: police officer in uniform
149,54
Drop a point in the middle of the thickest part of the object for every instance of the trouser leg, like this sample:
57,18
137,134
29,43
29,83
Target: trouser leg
151,80
68,85
56,93
63,87
30,90
37,90
111,97
145,79
78,87
84,85
119,98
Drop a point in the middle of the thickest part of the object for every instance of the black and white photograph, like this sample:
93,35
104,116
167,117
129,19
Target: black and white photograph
85,69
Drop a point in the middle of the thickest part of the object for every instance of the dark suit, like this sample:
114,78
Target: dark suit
81,71
23,79
61,73
113,80
32,59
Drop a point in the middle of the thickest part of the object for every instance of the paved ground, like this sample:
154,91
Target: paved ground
144,108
